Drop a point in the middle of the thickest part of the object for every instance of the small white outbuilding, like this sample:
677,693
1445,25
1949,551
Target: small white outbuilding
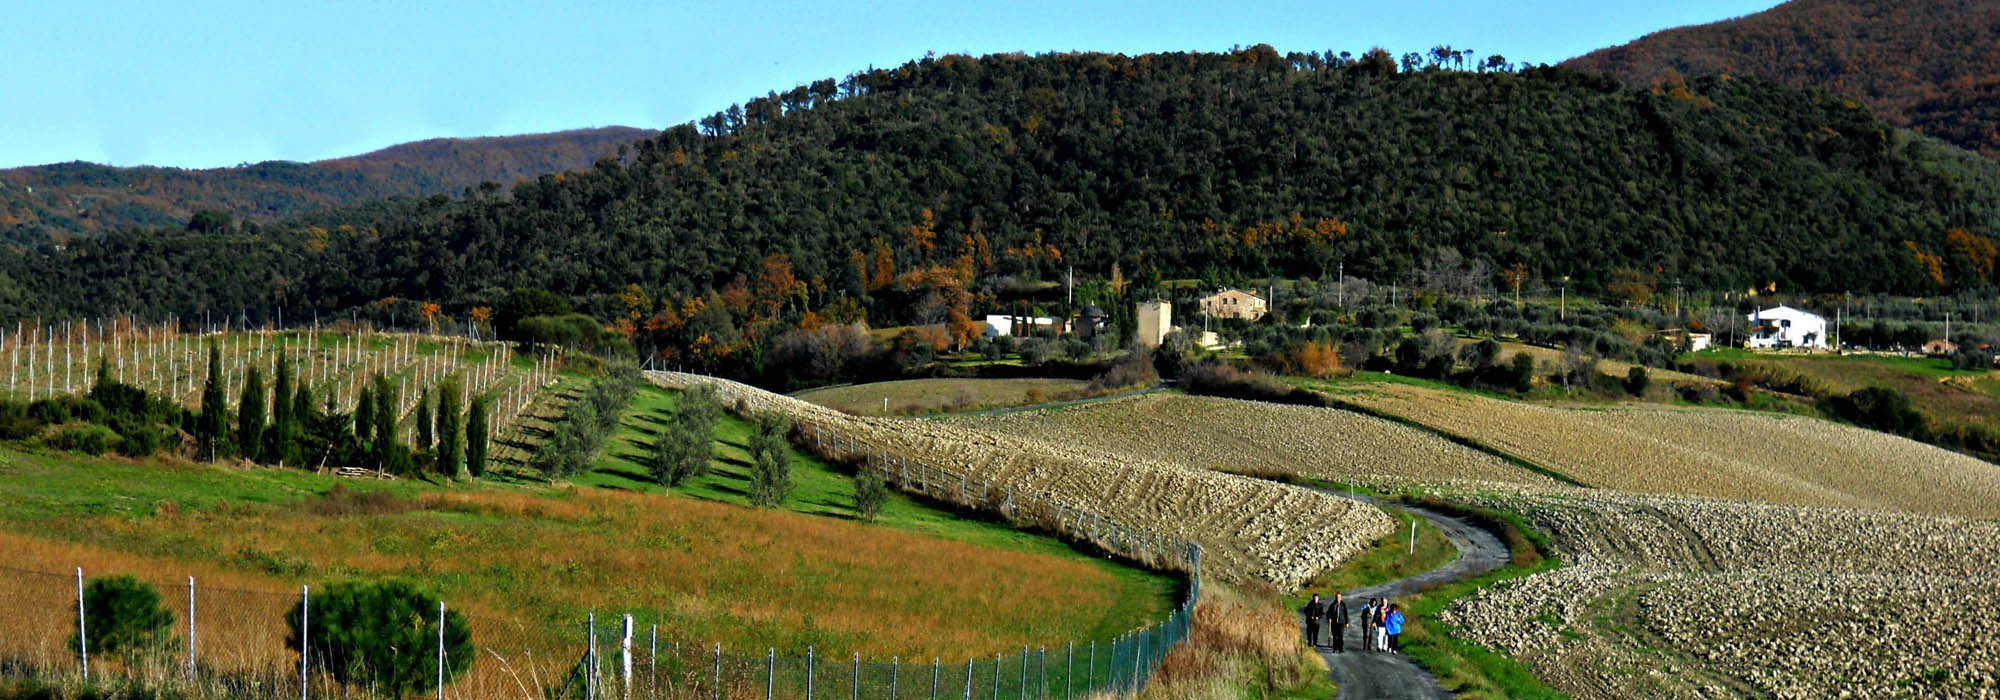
1786,327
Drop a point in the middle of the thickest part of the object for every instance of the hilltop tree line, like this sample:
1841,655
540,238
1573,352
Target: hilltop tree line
931,192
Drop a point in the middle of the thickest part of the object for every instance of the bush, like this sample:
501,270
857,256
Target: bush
1636,381
382,636
16,423
770,461
139,441
1878,408
123,615
870,492
88,439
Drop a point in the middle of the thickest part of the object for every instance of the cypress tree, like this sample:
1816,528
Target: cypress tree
302,414
475,438
212,428
387,451
449,413
425,434
284,427
364,416
250,414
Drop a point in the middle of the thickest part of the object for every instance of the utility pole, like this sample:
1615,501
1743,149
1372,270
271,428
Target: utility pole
1341,290
1562,302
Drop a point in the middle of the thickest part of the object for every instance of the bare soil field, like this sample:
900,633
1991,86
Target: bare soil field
916,396
1715,453
1249,529
1680,597
1251,437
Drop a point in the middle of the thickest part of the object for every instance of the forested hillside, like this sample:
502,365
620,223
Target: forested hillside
954,176
1932,65
63,200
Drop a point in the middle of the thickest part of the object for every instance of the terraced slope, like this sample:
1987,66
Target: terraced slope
1714,453
1256,438
1250,529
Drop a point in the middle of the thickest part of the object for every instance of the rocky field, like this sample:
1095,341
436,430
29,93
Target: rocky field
1255,438
1678,597
1711,453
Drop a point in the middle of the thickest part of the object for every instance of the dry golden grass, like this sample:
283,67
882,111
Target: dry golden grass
1239,640
1715,453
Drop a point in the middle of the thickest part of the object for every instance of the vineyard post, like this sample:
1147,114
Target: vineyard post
770,672
440,659
934,677
996,676
809,672
856,686
625,657
653,660
1413,536
305,604
590,658
1024,672
895,674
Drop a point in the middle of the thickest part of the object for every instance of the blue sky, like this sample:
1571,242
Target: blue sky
204,84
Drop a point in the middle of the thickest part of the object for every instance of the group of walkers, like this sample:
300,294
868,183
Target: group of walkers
1381,624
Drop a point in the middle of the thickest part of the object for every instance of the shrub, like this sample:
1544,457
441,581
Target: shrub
139,441
770,461
870,492
1878,408
383,636
1636,381
122,615
15,421
88,439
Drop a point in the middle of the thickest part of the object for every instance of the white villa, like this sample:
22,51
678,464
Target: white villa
1786,327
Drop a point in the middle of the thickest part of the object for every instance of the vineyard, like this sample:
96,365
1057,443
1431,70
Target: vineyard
45,361
1680,597
1712,453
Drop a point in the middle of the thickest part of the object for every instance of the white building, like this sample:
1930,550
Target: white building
1786,327
1000,325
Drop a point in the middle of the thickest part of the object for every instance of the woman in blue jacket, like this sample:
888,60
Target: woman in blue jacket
1394,626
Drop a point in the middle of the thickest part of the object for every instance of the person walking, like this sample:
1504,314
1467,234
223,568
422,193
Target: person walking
1368,625
1313,612
1382,625
1394,624
1336,619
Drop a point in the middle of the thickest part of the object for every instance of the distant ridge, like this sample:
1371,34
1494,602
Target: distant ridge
1930,65
67,200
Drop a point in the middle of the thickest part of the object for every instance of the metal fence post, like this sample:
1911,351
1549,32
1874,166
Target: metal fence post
857,677
1042,669
934,677
305,605
624,658
590,659
1090,676
809,673
190,640
968,679
996,676
82,641
718,672
1069,666
895,673
770,672
653,659
1024,672
440,681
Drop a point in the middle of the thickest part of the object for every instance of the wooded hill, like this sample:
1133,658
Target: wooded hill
1932,65
64,200
1221,167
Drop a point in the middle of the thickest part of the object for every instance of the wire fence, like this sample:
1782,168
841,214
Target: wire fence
237,643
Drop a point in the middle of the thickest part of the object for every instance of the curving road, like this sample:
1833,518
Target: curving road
1382,675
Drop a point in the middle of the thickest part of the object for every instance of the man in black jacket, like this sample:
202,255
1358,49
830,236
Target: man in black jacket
1313,611
1336,618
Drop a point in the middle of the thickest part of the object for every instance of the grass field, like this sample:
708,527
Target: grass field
1940,392
920,396
530,558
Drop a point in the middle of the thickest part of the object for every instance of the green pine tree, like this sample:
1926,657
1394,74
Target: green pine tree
284,427
425,435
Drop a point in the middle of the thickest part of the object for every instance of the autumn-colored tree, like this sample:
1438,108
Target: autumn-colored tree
636,301
921,238
881,266
482,316
1976,251
1630,286
430,314
1931,264
1320,359
1117,281
1514,276
777,288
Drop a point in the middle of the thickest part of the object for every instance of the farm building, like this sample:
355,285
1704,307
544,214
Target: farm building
1089,321
1940,347
1786,327
1156,318
1002,325
1234,303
